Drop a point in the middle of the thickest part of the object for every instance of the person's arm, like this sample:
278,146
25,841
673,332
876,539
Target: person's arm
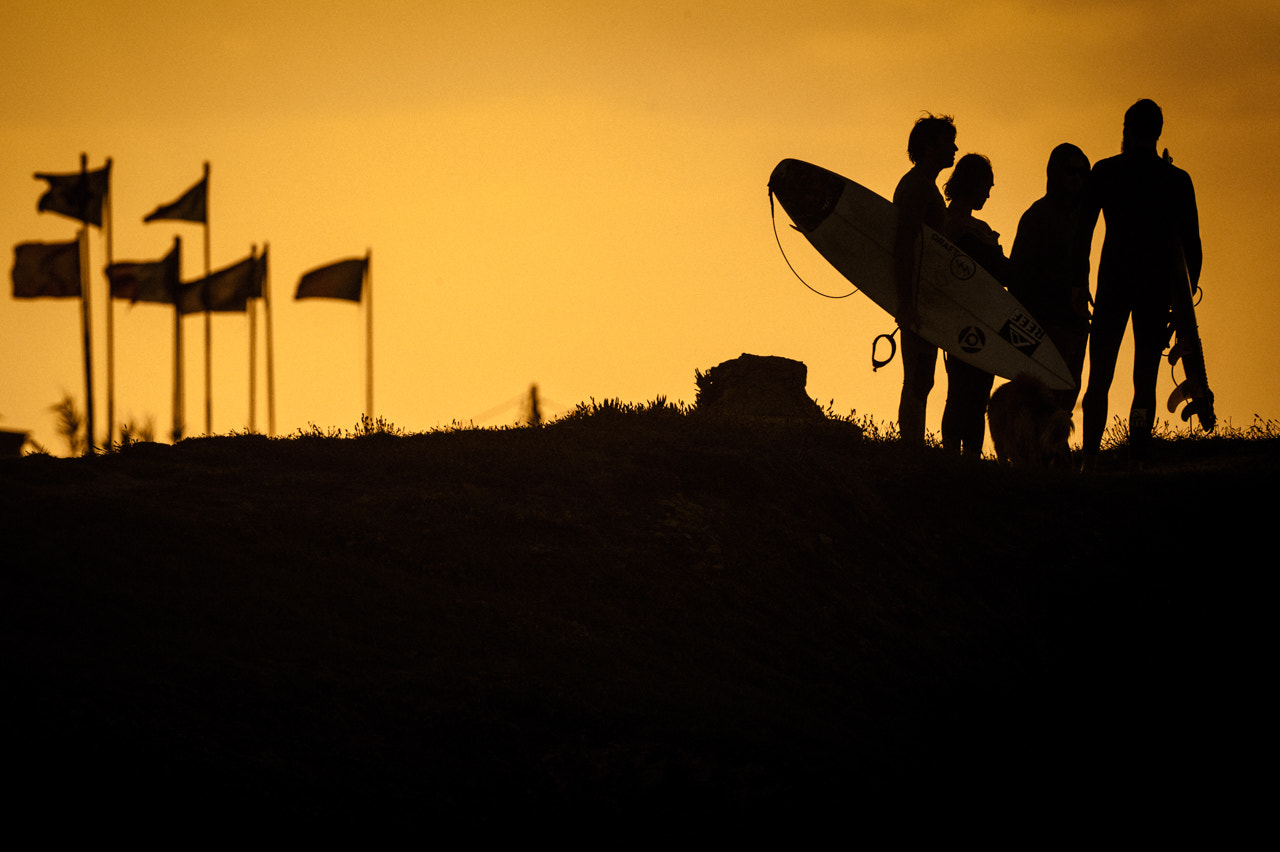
910,218
1090,209
990,254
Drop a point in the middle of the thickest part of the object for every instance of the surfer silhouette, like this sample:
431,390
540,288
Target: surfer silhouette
1150,210
1041,274
931,147
964,424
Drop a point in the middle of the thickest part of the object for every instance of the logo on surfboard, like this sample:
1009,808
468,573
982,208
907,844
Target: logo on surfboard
963,267
972,339
1022,332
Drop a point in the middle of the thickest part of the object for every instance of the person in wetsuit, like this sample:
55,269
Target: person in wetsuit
1150,210
931,148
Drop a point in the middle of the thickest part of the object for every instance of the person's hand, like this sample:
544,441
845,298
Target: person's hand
908,317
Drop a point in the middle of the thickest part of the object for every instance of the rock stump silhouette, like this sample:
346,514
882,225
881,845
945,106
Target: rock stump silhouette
757,386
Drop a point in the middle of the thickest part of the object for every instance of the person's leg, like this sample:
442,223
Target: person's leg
953,410
919,361
1072,345
976,435
964,420
1109,320
1150,336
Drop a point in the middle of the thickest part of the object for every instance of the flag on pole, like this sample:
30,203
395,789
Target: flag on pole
225,291
147,281
341,280
191,207
78,195
49,270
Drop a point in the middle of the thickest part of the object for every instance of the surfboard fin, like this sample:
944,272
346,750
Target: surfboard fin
1181,394
1203,410
1199,402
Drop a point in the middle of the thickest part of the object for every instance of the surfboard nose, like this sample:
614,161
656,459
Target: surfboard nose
808,193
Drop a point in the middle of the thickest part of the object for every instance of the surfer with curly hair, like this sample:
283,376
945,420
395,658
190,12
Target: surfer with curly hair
1150,210
931,147
964,423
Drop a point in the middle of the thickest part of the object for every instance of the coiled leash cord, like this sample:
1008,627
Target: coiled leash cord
876,363
774,219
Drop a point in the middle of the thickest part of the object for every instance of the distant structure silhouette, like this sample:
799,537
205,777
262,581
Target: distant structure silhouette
931,147
534,414
1042,276
1150,210
964,423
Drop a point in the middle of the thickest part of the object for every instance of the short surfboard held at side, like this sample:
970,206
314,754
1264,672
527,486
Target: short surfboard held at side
962,308
1188,348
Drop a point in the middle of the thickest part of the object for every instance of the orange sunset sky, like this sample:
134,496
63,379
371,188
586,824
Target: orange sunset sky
573,193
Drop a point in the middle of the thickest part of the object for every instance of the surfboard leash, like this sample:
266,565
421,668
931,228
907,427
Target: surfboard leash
774,219
876,363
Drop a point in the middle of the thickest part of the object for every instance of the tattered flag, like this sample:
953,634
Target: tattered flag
147,281
78,195
191,207
49,270
341,280
225,291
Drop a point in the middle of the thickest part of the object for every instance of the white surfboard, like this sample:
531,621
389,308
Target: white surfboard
962,308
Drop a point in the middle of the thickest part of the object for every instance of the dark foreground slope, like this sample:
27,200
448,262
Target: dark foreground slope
642,615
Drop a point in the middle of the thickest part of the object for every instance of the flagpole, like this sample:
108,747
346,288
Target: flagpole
271,377
368,333
108,228
208,318
253,351
178,393
85,329
86,314
191,206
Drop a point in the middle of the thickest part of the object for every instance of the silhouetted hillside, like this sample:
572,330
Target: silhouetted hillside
625,615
